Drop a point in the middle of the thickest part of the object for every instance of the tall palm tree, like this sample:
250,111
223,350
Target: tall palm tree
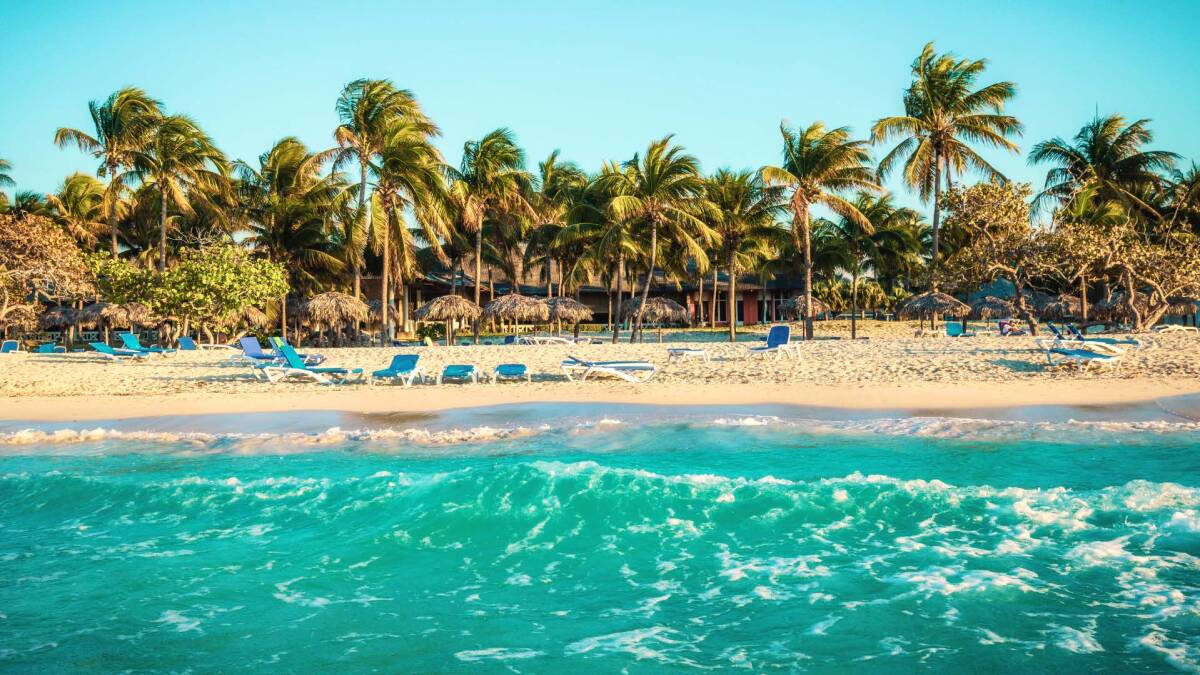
943,114
410,178
818,163
122,124
869,242
744,212
80,208
365,110
5,179
182,163
662,192
1108,153
490,183
1185,197
557,188
288,201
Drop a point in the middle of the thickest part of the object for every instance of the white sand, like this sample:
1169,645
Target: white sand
883,372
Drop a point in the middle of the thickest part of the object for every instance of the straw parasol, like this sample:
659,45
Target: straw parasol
991,307
659,311
448,308
931,303
568,310
335,310
1113,307
137,314
794,307
58,317
518,308
1181,306
251,317
1061,307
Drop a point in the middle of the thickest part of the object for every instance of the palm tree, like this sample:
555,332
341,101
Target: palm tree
288,202
868,243
817,164
662,192
1185,196
80,208
27,203
943,113
122,124
490,183
410,178
558,187
1108,153
744,212
5,179
366,108
182,163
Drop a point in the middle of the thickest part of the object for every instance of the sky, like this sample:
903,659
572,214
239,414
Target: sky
597,81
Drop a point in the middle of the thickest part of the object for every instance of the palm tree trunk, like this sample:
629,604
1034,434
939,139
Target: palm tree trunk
478,272
616,318
732,298
162,229
111,215
366,216
1083,307
283,316
937,218
649,279
700,302
854,302
385,287
808,265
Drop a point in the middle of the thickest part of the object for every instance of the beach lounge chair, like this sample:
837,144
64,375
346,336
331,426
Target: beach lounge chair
50,348
779,342
132,343
1083,358
188,344
466,373
403,368
630,371
955,329
1008,328
1174,328
10,347
510,339
253,353
310,359
294,366
113,354
1078,335
679,353
511,371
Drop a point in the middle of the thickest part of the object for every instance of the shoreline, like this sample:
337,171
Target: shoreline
923,399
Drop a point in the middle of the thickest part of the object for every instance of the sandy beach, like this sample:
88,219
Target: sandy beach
884,372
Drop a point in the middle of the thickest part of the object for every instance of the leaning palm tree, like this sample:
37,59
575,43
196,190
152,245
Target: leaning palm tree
1108,153
744,212
122,124
869,243
943,114
662,192
490,183
183,164
80,209
365,110
5,179
817,164
410,179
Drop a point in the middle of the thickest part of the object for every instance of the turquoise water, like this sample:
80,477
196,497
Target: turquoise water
635,545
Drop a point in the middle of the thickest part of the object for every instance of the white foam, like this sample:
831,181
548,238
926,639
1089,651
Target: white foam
497,654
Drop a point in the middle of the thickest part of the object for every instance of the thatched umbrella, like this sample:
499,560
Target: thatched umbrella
1061,307
1179,306
448,308
335,309
59,317
931,303
92,316
137,314
659,311
794,308
1113,307
568,310
991,307
21,318
518,308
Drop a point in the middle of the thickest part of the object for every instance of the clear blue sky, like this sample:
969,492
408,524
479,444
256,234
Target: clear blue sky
596,80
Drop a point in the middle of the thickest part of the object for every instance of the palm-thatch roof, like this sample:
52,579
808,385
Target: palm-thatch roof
58,317
658,310
568,310
1113,307
517,307
1179,306
795,308
250,317
21,317
91,316
932,302
448,308
991,307
1061,306
335,308
137,314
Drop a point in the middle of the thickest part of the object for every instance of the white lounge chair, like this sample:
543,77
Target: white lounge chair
1083,358
1174,328
637,372
679,353
295,367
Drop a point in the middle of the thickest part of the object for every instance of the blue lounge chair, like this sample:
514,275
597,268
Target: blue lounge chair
510,339
10,347
188,344
310,359
511,371
1078,335
252,351
113,354
779,341
50,348
955,329
403,368
459,372
294,366
132,343
630,371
